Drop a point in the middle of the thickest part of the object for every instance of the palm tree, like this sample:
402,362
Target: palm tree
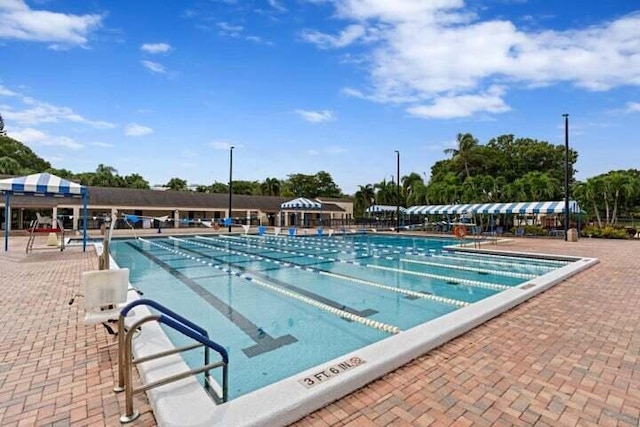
364,197
385,193
588,192
409,185
620,184
270,187
464,151
177,184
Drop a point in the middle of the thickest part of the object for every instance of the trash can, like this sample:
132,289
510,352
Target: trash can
572,235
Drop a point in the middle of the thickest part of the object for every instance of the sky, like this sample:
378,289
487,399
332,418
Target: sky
164,89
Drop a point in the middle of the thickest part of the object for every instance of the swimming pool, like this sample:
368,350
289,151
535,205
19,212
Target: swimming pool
282,306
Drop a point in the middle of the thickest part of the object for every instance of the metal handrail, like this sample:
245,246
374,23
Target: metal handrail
180,324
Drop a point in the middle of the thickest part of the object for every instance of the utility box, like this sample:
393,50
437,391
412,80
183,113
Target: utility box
572,235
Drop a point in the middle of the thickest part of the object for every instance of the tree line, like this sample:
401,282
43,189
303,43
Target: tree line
18,159
504,169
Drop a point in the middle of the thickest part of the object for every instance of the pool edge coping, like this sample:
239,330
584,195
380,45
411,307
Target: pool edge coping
286,401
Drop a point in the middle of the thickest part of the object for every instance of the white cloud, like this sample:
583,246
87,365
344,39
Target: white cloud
277,6
224,145
102,144
6,92
38,112
449,107
633,107
325,41
230,30
327,151
155,48
134,129
154,67
21,22
315,116
437,53
31,136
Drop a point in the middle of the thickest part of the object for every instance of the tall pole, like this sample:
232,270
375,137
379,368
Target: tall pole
566,176
397,191
230,184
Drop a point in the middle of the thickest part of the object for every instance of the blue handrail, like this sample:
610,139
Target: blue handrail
125,311
198,337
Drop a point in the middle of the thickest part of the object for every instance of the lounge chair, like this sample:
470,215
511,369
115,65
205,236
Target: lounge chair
261,230
277,230
246,228
292,231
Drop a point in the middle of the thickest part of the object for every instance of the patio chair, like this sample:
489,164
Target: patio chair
105,293
44,221
520,232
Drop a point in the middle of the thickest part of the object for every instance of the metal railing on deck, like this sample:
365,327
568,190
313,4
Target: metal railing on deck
180,324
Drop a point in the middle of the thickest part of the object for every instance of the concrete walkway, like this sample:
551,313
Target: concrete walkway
567,357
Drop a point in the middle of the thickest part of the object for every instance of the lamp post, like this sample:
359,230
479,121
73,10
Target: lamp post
566,175
230,184
397,191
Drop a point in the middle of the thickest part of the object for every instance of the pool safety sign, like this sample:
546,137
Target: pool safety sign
331,371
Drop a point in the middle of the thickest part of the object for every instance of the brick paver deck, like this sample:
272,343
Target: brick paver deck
53,369
567,357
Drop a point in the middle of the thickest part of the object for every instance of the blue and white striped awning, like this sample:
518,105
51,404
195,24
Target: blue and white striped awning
383,208
495,208
301,203
42,183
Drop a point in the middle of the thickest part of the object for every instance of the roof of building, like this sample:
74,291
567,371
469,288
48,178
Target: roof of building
169,199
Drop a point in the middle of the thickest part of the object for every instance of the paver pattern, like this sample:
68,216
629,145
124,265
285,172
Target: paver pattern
569,356
54,370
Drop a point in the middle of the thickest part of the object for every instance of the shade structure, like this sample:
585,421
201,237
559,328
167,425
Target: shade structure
552,207
383,208
301,203
42,184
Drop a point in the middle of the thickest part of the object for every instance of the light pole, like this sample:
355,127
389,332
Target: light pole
397,191
566,176
230,184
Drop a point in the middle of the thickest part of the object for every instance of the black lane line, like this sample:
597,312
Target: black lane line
264,342
362,313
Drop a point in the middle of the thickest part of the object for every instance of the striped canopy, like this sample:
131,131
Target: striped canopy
495,208
42,183
383,208
301,203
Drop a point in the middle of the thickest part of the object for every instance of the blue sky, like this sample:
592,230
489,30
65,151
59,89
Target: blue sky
299,86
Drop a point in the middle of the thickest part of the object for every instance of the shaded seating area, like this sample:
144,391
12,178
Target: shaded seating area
515,216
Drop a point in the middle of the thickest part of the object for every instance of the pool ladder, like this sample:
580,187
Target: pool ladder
180,324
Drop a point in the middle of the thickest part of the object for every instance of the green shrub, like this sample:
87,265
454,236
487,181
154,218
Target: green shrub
607,232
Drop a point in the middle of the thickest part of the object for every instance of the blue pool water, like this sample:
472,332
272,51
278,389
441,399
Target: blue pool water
268,300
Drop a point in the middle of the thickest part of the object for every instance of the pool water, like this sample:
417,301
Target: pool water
276,303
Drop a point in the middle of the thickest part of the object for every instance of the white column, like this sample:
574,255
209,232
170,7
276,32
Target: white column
54,217
176,218
76,216
248,217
